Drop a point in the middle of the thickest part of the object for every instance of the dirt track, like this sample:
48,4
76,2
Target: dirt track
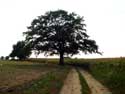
71,84
95,86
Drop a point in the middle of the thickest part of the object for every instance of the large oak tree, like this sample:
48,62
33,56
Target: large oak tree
59,32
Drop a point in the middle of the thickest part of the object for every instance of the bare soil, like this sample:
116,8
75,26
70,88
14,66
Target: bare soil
95,86
71,84
21,78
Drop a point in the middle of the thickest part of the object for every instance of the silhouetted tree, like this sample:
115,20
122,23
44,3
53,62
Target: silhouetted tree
21,50
7,58
60,32
2,57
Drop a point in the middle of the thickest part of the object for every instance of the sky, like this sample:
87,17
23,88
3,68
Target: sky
105,20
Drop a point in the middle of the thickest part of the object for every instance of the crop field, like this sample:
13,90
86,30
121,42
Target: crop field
22,77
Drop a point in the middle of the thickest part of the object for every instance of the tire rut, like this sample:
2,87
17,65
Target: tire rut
95,86
71,84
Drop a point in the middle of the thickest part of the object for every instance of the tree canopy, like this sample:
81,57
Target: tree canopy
59,32
21,50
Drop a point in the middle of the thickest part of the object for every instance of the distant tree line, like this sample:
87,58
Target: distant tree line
4,58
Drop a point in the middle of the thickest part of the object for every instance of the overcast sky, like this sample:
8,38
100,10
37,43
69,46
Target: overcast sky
105,21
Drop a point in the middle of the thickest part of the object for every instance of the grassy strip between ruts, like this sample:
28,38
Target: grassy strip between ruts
84,86
49,83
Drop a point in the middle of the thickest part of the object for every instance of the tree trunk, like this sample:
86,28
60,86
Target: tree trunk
61,61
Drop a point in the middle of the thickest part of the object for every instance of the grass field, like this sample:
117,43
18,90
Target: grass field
31,78
111,75
28,77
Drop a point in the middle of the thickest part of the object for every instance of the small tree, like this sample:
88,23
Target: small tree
60,32
21,50
7,58
2,57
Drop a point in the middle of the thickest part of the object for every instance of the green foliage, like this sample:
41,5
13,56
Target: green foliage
21,50
60,32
